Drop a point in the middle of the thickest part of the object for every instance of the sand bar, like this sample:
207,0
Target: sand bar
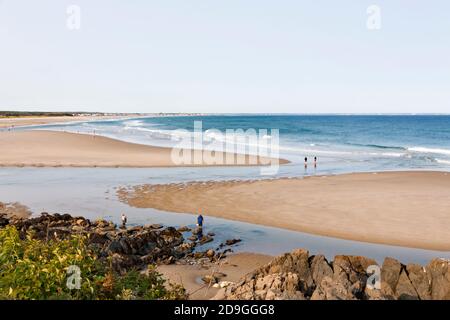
410,209
40,148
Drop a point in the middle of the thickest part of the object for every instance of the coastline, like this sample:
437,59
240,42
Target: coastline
62,149
407,209
30,121
17,122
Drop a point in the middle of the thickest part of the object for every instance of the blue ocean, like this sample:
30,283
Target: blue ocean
342,143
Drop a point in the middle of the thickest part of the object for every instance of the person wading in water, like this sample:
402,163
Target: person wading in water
200,227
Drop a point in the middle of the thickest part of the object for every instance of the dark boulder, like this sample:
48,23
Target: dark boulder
184,229
3,221
231,242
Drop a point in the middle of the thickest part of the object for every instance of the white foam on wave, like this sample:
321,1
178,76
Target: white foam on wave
159,134
443,161
314,151
133,123
429,150
388,154
331,152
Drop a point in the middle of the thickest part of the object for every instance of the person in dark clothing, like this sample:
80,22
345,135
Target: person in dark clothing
315,162
306,162
199,230
200,220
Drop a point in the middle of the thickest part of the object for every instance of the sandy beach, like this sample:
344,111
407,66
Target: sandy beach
62,149
33,121
233,268
410,209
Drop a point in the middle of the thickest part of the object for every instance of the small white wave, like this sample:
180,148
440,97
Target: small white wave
443,161
303,150
429,150
133,123
213,135
342,153
160,134
388,154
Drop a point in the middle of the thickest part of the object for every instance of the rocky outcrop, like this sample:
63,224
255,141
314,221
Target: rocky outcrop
133,247
297,275
439,279
13,210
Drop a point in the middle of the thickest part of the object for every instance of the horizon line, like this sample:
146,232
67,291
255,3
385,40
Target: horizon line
233,113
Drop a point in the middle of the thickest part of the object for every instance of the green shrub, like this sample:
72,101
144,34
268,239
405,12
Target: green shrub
37,269
137,285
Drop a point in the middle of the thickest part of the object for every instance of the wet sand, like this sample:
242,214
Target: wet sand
409,209
62,149
234,267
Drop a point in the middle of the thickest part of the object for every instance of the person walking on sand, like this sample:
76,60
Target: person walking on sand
315,162
306,162
124,220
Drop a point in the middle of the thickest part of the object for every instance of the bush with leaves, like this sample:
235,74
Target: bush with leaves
137,285
37,269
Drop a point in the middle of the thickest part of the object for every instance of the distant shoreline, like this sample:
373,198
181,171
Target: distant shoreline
19,122
28,121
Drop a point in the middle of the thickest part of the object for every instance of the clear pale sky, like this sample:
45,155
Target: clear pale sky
259,56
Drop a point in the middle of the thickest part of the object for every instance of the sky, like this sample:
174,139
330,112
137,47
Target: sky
225,56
